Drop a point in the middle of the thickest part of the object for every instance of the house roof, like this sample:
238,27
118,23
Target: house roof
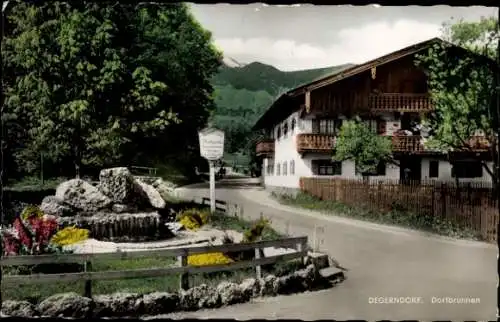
272,112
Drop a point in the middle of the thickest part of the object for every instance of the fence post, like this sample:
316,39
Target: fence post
87,266
443,201
184,277
287,228
301,247
258,271
241,212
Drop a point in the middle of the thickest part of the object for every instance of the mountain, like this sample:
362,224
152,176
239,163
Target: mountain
258,76
244,91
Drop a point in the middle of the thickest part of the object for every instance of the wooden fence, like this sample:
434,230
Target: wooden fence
298,243
470,205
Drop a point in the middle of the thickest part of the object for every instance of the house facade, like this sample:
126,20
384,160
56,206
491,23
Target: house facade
390,94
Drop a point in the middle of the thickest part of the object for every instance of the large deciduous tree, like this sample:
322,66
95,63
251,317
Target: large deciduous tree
462,86
102,84
359,143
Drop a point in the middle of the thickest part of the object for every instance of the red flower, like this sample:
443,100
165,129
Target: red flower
11,244
43,229
24,235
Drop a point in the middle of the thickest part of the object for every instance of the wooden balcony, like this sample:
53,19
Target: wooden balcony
413,144
315,143
391,102
410,143
265,148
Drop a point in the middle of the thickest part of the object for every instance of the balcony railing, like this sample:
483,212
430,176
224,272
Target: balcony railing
410,143
413,143
315,142
400,102
265,147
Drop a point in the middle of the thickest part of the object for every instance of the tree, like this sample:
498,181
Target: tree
462,87
358,143
99,84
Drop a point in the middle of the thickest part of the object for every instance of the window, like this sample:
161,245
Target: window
278,169
285,129
278,133
467,169
292,126
292,167
433,169
285,169
379,171
325,126
270,169
327,167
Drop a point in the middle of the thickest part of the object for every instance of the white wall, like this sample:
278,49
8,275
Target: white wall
444,172
285,150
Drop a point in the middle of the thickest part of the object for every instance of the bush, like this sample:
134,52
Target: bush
193,219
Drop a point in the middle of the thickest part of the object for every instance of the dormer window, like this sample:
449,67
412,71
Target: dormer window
292,126
285,129
278,133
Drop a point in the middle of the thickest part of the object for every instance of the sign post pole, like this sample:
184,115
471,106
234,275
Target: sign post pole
212,149
212,185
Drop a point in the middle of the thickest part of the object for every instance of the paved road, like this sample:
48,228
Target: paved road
383,261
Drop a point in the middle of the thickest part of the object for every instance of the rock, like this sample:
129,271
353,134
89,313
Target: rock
154,197
51,205
319,260
121,208
174,226
250,287
231,293
139,226
268,286
23,309
198,297
119,185
308,276
66,305
118,305
160,303
82,195
289,284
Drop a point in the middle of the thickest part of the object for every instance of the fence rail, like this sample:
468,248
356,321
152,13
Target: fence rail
298,243
470,205
220,205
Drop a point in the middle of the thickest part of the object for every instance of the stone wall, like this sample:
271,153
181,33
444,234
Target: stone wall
199,297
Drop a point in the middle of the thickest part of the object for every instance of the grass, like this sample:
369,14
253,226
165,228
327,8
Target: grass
36,292
397,217
34,183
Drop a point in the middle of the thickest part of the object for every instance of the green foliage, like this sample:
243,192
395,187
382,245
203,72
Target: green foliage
357,142
94,84
255,233
461,84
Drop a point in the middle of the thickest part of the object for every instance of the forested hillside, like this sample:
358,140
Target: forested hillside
243,93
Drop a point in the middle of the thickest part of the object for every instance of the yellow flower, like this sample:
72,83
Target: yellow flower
193,219
69,236
208,259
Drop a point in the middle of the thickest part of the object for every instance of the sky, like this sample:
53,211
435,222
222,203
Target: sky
307,36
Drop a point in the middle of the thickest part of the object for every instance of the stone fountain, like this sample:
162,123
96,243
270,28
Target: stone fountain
119,208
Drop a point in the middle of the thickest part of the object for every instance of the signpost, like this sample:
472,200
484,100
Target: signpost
212,149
